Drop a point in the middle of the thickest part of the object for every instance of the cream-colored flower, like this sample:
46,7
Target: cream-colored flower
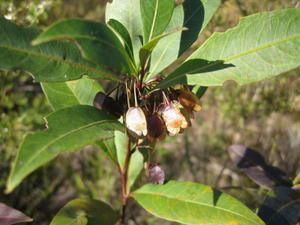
136,122
174,119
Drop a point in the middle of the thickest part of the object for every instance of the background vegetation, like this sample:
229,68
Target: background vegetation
264,116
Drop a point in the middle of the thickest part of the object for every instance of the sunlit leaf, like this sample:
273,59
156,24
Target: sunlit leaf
127,12
156,16
68,129
192,203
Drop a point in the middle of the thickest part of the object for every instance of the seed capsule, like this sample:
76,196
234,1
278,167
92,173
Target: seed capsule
156,127
108,104
189,100
136,122
174,119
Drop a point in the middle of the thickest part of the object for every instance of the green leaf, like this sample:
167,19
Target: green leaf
136,163
156,16
68,129
51,62
194,15
261,46
191,67
199,91
297,179
147,49
97,42
197,14
127,12
83,211
64,94
125,36
192,203
135,168
167,49
108,146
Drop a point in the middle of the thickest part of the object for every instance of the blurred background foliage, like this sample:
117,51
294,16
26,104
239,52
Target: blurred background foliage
264,116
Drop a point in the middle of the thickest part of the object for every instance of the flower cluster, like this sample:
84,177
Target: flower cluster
171,117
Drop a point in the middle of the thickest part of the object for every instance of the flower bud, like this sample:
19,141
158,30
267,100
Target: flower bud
136,122
189,100
174,119
156,127
157,175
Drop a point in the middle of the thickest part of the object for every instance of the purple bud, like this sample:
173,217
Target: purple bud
157,175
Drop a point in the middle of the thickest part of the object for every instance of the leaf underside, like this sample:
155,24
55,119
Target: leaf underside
261,46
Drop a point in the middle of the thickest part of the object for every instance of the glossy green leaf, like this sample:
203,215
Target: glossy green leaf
78,92
67,129
197,14
147,49
97,42
156,16
191,67
50,62
261,46
125,36
167,49
83,211
127,12
192,203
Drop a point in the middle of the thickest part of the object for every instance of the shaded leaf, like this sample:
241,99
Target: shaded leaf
97,43
200,66
84,211
127,12
281,206
197,14
156,16
10,216
199,91
51,62
254,166
261,46
64,94
123,32
192,203
69,129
